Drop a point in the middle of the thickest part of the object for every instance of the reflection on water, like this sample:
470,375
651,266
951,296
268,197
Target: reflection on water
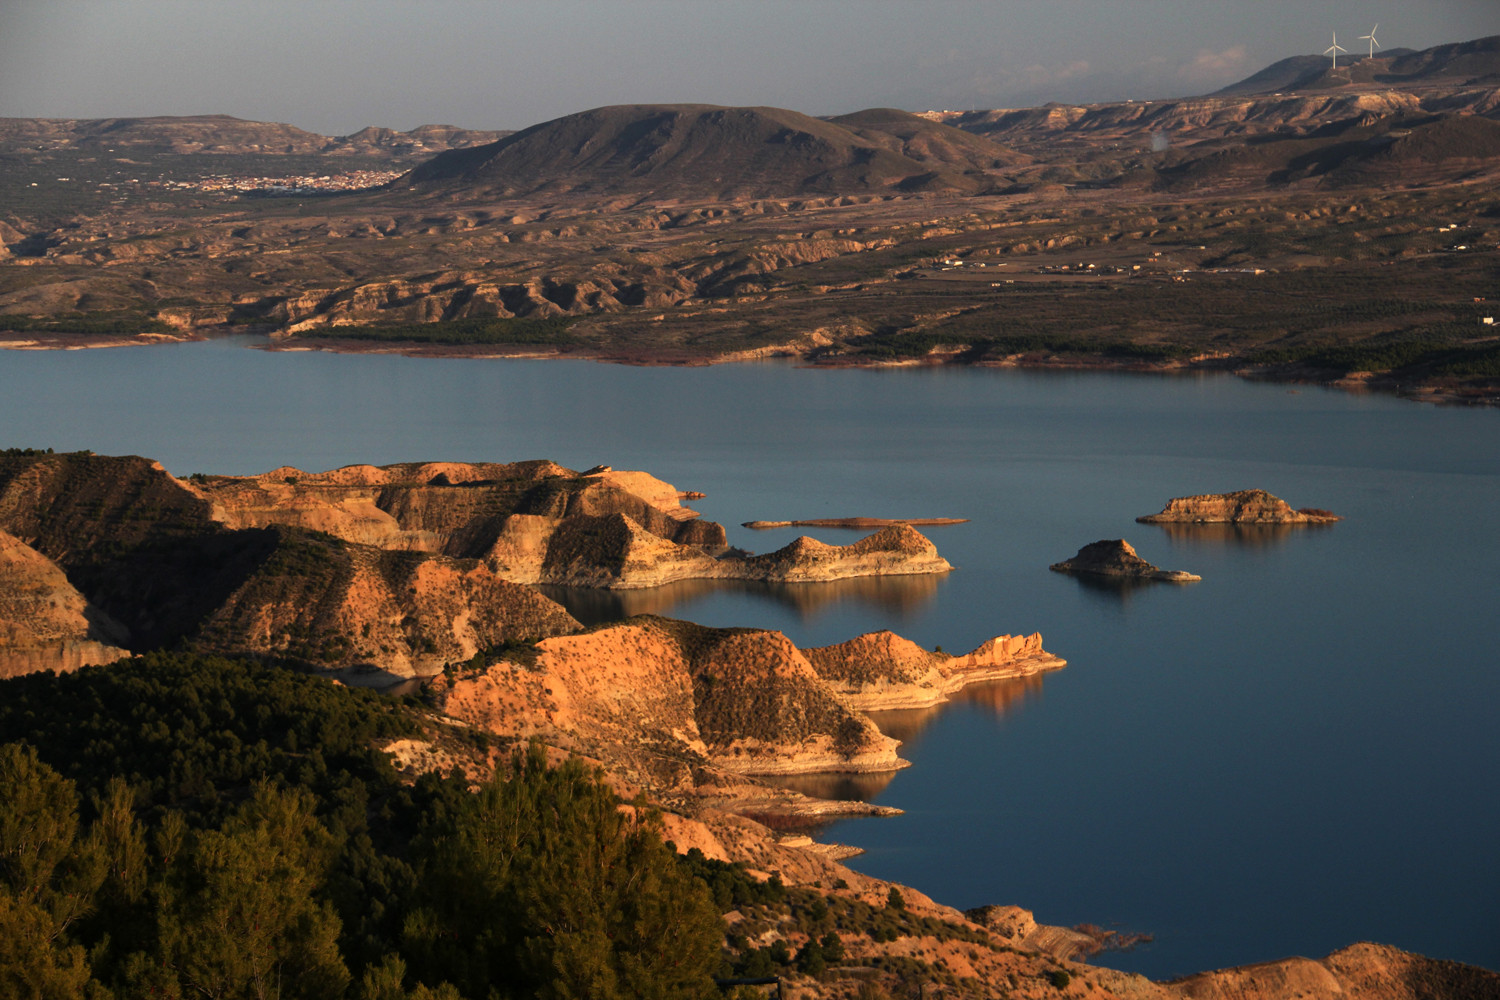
1250,536
1114,589
897,596
998,698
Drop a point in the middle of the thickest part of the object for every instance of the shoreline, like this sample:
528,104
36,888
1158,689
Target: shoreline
798,354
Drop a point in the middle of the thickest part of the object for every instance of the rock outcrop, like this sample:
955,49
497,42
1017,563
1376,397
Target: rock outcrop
658,698
1239,507
661,697
399,569
126,542
1362,971
537,522
45,623
1117,558
881,670
340,606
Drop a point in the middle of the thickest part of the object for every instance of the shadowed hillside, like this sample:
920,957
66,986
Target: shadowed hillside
699,150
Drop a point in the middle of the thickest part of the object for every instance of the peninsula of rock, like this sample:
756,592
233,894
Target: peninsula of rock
1239,507
657,698
397,570
1115,557
537,522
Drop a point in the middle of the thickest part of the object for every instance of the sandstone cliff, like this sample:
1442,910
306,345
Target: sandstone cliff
537,522
1360,972
1117,558
139,547
881,670
657,698
336,605
660,697
1239,507
45,623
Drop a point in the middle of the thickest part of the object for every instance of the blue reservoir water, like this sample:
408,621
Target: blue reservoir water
1299,752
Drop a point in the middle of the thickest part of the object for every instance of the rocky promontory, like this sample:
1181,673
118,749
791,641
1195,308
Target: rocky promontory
539,523
662,697
881,670
391,571
1239,507
1117,558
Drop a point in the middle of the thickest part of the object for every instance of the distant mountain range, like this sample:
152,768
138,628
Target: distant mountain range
1296,120
226,135
705,151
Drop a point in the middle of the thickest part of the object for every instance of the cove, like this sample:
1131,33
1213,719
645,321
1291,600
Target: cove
1294,754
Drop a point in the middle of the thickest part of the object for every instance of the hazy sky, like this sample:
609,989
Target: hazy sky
334,66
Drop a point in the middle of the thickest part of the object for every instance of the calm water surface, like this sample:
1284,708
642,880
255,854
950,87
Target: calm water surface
1297,753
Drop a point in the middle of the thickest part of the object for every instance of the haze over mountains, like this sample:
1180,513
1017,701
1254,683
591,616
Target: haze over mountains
227,135
685,152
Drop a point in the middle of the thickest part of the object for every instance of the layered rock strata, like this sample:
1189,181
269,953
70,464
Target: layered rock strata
128,543
1116,558
1239,507
881,670
663,697
539,523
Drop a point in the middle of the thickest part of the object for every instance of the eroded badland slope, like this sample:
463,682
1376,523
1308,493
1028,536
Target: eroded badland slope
401,569
1339,228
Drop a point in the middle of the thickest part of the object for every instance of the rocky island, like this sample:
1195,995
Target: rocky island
1116,558
1239,507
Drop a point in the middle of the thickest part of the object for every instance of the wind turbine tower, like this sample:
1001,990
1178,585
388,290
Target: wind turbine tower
1335,49
1371,39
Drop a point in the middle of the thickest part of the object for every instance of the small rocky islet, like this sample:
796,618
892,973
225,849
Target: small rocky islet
1116,558
1238,507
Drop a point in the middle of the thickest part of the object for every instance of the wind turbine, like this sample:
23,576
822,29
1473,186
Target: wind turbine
1335,49
1371,39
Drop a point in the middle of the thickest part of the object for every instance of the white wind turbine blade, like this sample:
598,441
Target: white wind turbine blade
1334,50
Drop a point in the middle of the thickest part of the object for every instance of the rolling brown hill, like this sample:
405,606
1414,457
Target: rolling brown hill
706,151
1467,63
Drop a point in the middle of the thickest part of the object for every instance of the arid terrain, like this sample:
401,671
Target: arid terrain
1337,227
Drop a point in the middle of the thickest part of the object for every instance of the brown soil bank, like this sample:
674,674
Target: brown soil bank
1239,507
